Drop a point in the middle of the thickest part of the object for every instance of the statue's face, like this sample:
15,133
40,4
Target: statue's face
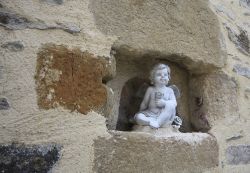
161,77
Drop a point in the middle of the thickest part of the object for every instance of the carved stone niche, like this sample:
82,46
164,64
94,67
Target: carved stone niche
205,97
130,84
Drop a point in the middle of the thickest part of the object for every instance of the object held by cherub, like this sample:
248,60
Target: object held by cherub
158,107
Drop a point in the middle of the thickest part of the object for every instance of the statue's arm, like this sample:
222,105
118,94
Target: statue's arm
146,99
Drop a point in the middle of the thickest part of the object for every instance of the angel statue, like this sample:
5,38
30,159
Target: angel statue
158,107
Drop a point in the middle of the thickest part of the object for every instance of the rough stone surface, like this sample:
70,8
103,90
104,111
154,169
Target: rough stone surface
12,21
212,97
16,22
247,93
243,71
17,158
170,27
221,8
14,46
246,24
69,27
56,2
247,13
240,39
4,105
25,122
234,138
1,71
245,3
70,78
143,152
238,154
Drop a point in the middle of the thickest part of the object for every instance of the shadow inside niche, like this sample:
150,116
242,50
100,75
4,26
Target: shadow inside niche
131,97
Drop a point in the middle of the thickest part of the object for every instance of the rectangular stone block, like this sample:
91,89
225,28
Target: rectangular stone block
128,152
238,154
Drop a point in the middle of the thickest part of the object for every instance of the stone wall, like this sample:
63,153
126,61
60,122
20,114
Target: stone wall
64,65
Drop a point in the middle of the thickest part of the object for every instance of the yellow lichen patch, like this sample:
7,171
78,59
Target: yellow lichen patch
70,78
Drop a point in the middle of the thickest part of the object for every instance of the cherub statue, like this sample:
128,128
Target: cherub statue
158,107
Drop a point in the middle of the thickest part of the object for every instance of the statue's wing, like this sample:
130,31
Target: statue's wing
176,91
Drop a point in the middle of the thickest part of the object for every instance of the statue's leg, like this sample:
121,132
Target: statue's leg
167,115
141,119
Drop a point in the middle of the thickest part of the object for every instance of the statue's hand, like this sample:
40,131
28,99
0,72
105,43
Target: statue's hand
160,103
154,124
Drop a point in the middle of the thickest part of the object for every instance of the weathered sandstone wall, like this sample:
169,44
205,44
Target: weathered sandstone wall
64,65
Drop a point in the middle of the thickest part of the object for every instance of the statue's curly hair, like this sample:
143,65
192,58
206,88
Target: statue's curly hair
156,67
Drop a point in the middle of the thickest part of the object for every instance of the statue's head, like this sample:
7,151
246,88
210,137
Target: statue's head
159,70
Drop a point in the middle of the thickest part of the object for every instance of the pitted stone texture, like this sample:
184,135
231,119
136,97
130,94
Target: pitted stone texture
246,14
4,105
221,8
69,27
239,38
55,2
142,152
188,29
17,158
247,93
13,21
238,154
243,71
1,71
234,137
167,130
14,46
212,97
245,3
71,78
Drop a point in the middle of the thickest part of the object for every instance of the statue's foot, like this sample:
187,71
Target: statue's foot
154,124
176,126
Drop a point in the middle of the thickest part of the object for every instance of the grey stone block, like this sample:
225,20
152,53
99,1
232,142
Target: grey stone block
245,3
16,22
56,2
240,39
221,8
243,71
4,105
20,158
238,154
14,46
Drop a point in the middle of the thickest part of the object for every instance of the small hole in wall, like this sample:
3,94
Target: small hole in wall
104,81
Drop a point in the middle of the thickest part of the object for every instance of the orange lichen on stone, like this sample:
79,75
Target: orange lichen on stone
70,78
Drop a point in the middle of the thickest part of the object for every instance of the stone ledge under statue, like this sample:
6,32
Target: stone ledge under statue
156,150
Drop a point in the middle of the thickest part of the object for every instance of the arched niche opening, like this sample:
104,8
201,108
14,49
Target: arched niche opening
130,85
205,96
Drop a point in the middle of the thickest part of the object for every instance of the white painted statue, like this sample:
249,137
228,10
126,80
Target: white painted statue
158,107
